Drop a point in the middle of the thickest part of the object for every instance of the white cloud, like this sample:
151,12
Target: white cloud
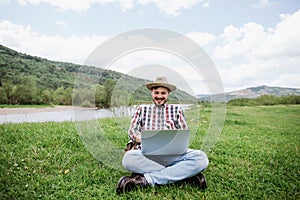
268,57
64,5
284,40
24,39
173,7
253,40
287,80
239,41
168,7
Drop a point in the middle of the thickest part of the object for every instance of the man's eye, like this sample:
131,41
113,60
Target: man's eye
163,93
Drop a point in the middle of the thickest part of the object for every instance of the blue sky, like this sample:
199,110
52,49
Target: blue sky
251,42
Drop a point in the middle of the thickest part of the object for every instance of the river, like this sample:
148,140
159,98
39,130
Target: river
56,116
60,114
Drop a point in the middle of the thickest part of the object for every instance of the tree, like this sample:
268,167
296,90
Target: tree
83,97
120,98
47,97
9,90
26,91
58,93
3,99
109,87
100,95
67,96
267,99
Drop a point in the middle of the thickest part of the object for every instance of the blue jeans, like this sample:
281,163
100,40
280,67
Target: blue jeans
163,170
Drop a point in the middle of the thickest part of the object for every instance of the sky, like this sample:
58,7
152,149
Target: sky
250,42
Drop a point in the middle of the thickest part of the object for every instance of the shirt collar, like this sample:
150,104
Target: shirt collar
160,106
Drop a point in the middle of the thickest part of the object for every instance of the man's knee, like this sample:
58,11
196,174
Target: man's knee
130,158
202,159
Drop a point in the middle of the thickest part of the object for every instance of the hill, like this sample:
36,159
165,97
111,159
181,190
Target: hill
26,79
255,92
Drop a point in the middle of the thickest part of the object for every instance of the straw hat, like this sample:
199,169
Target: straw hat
161,81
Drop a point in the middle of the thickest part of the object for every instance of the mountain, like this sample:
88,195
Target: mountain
254,92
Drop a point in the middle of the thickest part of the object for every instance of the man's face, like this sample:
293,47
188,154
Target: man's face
160,95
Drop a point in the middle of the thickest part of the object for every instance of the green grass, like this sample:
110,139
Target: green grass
256,157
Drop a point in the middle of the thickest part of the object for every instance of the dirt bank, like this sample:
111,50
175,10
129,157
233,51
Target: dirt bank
9,111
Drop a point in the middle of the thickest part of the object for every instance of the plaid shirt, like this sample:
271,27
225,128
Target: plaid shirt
156,117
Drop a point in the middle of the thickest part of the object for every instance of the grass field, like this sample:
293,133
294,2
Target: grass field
256,157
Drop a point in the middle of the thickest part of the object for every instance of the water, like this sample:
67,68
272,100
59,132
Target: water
56,116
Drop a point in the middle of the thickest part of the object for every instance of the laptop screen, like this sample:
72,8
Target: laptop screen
165,142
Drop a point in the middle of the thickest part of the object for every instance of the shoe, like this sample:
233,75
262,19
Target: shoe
198,180
121,184
128,183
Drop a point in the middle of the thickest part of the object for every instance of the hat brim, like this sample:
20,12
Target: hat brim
168,86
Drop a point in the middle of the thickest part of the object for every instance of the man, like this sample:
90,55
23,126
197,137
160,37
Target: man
161,170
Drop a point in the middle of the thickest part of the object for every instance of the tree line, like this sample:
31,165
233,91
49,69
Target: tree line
27,92
102,95
266,100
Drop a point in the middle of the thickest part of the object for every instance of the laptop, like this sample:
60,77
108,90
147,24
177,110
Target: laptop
165,142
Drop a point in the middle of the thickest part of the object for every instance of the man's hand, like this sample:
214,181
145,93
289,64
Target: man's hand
131,146
138,138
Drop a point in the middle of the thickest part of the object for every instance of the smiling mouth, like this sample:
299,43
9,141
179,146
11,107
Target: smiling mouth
160,100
